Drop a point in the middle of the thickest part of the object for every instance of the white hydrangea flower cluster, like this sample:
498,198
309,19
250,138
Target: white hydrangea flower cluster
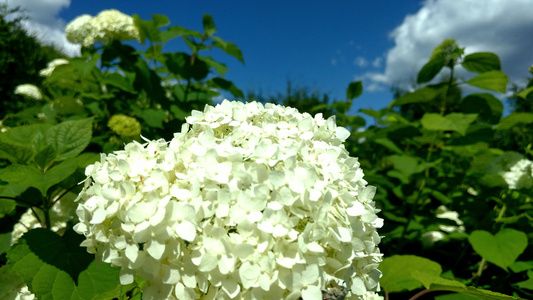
50,67
247,201
12,287
516,170
442,212
107,26
520,175
28,90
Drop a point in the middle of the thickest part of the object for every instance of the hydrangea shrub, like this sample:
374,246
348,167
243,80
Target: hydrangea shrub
246,201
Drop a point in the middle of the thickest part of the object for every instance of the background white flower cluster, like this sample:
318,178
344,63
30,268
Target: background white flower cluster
516,170
51,66
247,201
107,26
28,90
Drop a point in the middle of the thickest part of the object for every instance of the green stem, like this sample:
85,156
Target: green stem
46,212
187,89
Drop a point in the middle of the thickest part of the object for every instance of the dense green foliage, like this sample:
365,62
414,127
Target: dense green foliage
431,152
21,58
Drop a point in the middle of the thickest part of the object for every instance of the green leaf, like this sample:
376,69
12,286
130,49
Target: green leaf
525,93
209,25
490,80
479,293
120,82
489,108
406,165
62,252
355,89
428,279
456,296
430,69
179,63
149,29
46,157
527,284
7,206
520,266
388,144
376,114
229,48
31,177
14,143
229,86
423,95
5,242
514,119
70,138
153,117
399,270
452,122
177,31
481,62
220,68
87,158
501,249
51,265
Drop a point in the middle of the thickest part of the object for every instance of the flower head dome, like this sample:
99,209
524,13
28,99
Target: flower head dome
247,201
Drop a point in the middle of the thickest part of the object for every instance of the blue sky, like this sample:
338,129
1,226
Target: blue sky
325,45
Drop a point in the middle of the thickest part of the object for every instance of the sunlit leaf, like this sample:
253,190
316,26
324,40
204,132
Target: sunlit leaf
355,89
481,62
452,122
490,80
501,249
430,69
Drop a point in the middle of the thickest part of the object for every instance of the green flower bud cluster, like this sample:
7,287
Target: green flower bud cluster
125,126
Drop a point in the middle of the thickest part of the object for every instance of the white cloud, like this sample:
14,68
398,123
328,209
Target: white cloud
360,62
44,23
376,63
500,26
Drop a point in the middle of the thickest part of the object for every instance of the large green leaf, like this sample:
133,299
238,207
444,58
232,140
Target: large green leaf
14,143
220,68
527,284
181,64
514,119
209,25
489,108
501,249
228,47
399,272
423,95
452,122
481,62
355,89
51,266
177,31
525,93
490,80
153,117
120,82
150,29
7,206
229,86
430,69
29,176
70,138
